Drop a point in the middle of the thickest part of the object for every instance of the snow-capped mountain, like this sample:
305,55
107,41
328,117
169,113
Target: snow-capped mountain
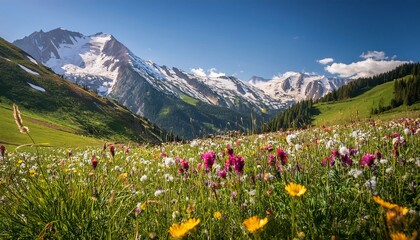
297,86
103,64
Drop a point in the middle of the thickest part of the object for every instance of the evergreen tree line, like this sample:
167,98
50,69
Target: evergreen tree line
361,85
297,116
406,92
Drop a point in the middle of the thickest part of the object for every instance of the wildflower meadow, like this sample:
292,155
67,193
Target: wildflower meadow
354,181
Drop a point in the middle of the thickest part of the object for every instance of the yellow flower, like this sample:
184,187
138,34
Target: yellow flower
295,189
178,231
384,203
399,209
398,236
254,223
122,176
217,215
32,172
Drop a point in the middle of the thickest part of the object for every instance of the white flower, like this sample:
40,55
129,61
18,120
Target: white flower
344,151
371,184
383,161
298,147
143,178
252,192
389,170
175,214
159,192
194,143
355,173
330,144
169,162
168,177
407,131
290,138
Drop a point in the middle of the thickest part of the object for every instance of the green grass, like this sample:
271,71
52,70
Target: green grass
360,107
141,193
43,131
188,99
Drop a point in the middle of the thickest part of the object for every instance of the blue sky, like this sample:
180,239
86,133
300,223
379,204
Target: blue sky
241,37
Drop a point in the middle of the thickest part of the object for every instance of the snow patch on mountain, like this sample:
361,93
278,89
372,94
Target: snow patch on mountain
297,86
28,70
36,87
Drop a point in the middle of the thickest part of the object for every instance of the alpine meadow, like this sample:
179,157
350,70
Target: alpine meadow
209,120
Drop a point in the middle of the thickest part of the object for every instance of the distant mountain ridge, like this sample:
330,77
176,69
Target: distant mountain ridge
297,86
187,104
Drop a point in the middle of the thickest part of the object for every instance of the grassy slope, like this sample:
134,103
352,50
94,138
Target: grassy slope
359,107
42,131
64,104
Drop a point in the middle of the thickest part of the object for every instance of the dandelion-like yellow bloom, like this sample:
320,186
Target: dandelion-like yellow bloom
32,172
217,215
254,223
398,236
294,189
384,203
392,206
178,231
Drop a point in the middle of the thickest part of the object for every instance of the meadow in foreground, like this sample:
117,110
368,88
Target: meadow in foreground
354,181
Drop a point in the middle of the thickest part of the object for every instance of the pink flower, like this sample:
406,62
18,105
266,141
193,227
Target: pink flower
94,162
222,174
271,159
239,164
367,160
282,156
229,150
209,159
112,150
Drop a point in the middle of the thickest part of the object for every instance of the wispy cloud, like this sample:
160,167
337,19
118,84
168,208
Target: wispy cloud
376,55
375,62
325,61
212,72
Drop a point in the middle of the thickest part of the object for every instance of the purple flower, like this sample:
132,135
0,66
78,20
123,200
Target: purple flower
271,159
229,150
347,160
209,159
239,164
222,174
282,156
367,160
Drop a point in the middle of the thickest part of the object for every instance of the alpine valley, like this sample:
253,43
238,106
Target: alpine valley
181,102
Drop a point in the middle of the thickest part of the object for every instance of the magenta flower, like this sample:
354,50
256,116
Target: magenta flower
94,162
222,174
209,159
367,160
327,160
112,150
347,160
239,164
282,156
229,150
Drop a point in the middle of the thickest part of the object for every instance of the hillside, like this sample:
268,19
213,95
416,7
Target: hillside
51,101
364,98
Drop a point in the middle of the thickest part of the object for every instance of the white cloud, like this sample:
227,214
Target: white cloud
376,55
326,61
213,73
199,72
366,68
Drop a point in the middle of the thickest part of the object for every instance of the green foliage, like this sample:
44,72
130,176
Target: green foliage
140,192
297,116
